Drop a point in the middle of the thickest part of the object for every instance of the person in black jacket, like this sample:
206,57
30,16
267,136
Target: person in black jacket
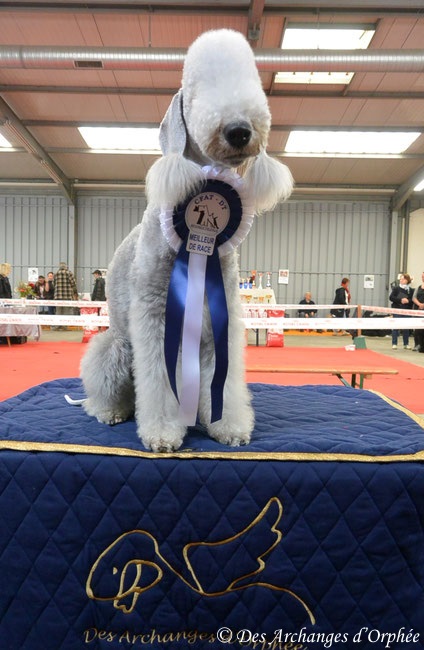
418,300
49,292
5,288
305,312
99,289
342,297
401,298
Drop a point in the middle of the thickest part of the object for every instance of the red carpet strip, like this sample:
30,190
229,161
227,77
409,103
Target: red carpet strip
407,387
23,366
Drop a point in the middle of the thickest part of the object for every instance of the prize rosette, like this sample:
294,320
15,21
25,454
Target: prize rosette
204,227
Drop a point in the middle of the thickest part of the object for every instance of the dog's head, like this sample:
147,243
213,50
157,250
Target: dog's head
219,117
224,107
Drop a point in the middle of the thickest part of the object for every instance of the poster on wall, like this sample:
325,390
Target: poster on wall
283,276
368,282
32,274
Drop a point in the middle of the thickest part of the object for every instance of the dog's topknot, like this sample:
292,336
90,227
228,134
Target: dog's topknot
217,55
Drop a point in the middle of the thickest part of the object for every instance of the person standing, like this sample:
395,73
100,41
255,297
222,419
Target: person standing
40,293
99,289
5,288
40,288
49,292
401,298
65,288
418,300
342,297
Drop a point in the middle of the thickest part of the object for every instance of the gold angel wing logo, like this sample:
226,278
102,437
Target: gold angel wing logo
134,563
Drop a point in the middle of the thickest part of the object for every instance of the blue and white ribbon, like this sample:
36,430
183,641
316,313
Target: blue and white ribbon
203,228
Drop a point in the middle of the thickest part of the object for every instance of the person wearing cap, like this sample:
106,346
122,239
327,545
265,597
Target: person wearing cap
99,289
65,288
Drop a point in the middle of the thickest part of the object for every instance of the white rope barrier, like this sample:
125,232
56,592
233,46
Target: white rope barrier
44,319
255,316
334,323
363,308
250,323
18,302
25,302
388,310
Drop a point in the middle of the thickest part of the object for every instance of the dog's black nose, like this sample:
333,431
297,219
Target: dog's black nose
237,134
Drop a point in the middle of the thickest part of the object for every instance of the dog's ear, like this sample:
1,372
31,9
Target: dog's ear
270,180
172,131
173,177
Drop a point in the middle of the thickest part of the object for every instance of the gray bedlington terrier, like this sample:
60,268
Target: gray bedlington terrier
219,119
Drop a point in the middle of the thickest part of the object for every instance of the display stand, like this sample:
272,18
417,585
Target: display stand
258,296
252,299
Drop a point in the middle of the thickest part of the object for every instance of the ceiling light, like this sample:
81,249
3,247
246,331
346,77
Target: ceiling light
419,187
314,77
350,142
5,143
327,37
121,138
323,37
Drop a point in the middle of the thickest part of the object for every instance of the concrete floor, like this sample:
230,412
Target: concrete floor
383,345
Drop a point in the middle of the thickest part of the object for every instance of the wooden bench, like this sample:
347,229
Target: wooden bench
363,372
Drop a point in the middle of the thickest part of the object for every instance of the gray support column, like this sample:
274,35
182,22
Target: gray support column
394,247
406,220
72,238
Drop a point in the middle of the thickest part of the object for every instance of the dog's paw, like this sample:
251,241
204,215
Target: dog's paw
105,416
165,440
233,440
113,418
233,431
163,447
225,436
110,418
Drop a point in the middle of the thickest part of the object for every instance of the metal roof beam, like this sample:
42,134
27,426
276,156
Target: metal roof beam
12,123
131,90
274,127
256,10
273,7
403,192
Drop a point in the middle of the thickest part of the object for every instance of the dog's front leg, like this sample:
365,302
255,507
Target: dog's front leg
158,426
236,424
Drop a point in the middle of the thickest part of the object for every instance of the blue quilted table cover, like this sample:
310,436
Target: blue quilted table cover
311,536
